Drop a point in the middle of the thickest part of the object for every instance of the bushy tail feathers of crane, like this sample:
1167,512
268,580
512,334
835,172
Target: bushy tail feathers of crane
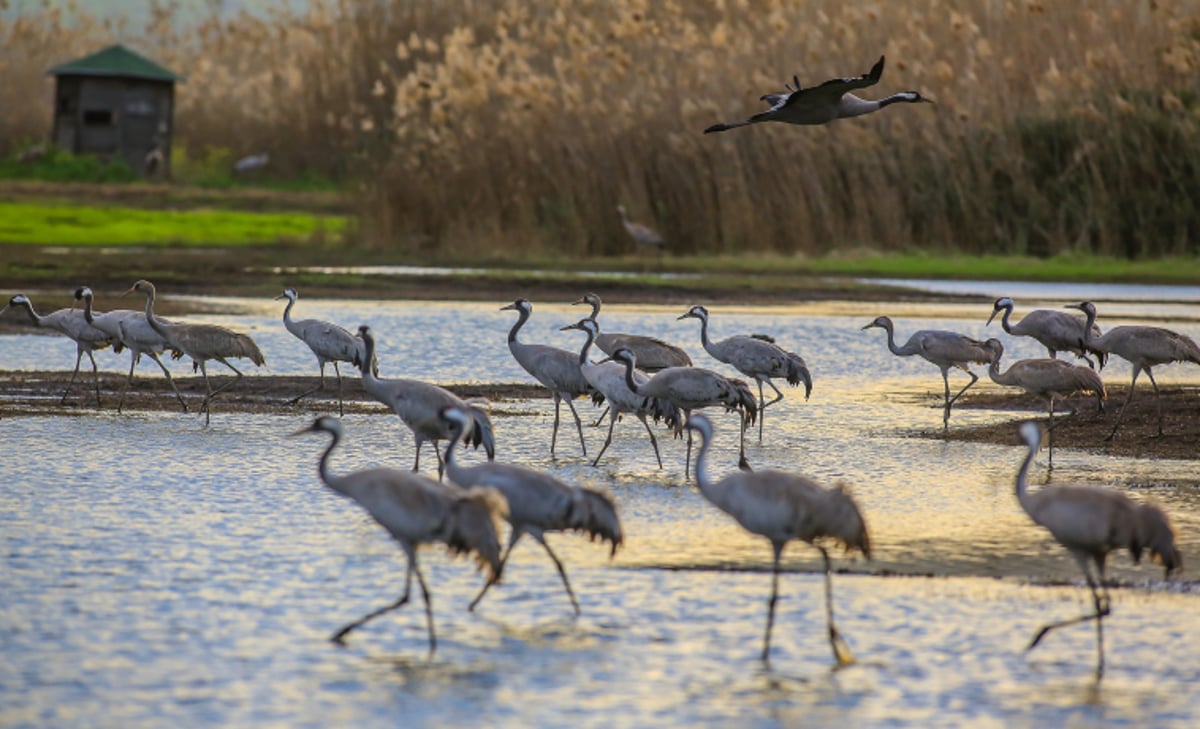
595,514
473,527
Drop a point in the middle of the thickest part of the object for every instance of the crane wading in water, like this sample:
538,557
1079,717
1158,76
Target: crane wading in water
537,503
942,349
1092,523
783,507
417,510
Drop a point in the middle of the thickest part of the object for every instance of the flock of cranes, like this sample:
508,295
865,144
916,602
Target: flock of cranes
464,510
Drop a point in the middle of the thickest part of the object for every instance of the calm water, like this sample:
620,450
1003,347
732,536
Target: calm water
157,573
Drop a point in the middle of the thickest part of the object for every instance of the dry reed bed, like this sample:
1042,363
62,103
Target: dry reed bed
510,127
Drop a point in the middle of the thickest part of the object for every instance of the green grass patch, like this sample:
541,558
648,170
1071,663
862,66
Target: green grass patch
30,223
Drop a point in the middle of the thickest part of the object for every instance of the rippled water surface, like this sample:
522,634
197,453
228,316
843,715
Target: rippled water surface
157,573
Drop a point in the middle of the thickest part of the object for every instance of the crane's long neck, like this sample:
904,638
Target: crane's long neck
330,480
522,317
156,324
1000,378
587,345
704,335
287,312
35,317
595,309
1004,322
1022,483
633,385
370,381
453,470
1088,339
891,340
87,309
703,481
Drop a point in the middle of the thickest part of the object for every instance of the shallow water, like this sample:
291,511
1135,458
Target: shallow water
160,573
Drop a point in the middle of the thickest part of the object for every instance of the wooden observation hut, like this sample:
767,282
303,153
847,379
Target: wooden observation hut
116,104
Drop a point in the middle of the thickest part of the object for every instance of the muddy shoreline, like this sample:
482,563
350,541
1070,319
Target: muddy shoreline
30,393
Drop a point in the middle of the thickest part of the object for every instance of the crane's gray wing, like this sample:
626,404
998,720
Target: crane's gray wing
831,91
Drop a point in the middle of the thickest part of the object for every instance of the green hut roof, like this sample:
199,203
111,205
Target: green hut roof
115,61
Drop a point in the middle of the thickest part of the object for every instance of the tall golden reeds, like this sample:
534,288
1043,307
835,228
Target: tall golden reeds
511,127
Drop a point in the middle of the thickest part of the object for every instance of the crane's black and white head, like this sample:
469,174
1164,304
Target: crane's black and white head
696,312
588,325
907,97
625,356
365,332
1086,307
141,286
83,292
1031,434
324,424
289,293
591,300
1002,304
880,321
18,300
521,305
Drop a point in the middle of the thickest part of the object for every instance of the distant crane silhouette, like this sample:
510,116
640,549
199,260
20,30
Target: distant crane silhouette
942,349
691,388
419,405
129,329
653,354
537,503
643,236
329,342
1057,331
1046,379
783,507
1091,523
72,324
824,102
201,342
557,370
757,359
1142,346
417,510
608,378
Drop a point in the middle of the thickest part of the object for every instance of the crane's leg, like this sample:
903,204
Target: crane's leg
213,393
74,374
1129,396
208,393
96,375
561,572
766,651
428,605
1050,432
340,636
1102,609
612,423
687,461
320,386
554,435
841,651
513,536
946,409
951,400
170,381
133,358
578,424
417,454
763,404
1149,373
336,371
653,440
600,419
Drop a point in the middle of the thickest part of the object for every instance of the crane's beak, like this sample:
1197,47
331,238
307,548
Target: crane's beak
993,316
580,301
508,307
277,298
131,290
868,326
569,326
